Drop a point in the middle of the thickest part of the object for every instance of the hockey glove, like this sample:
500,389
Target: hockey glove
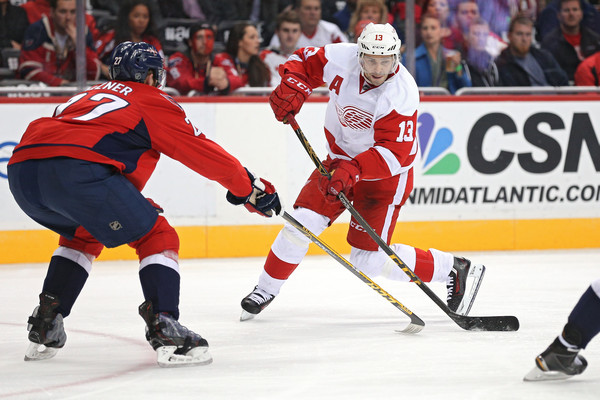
288,96
344,175
263,199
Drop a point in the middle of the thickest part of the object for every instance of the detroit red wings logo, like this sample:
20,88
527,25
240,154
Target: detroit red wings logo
354,118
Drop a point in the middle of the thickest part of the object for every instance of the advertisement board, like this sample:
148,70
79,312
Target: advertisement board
523,170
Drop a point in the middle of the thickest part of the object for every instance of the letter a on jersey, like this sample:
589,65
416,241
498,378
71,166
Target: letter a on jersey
336,83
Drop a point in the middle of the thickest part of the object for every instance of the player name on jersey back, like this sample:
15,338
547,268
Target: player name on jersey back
114,86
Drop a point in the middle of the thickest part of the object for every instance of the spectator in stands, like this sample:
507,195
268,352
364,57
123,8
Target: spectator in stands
548,18
288,31
479,64
466,12
13,22
48,53
37,8
194,70
135,23
440,9
241,60
436,65
315,31
571,42
588,71
521,64
369,10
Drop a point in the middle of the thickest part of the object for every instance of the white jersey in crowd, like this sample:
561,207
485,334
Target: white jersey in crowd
326,33
361,117
273,58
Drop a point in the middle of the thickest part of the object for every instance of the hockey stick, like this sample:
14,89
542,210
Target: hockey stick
493,323
415,325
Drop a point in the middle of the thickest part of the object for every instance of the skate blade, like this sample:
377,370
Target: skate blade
197,356
37,352
246,316
536,375
476,273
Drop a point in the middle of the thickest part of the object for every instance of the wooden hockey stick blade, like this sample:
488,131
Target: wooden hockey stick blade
416,324
508,323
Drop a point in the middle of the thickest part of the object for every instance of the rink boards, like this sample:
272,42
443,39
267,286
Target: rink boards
493,173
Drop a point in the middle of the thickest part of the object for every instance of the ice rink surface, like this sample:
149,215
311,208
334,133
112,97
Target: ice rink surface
326,336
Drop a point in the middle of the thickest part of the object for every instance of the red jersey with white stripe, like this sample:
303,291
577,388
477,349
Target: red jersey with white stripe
376,126
128,125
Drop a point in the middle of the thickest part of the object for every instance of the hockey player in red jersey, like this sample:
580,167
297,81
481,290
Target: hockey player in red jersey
370,127
80,173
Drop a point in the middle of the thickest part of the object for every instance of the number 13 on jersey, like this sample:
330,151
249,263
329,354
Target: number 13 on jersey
406,132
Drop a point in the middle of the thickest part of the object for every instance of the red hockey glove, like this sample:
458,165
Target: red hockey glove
344,175
263,199
289,96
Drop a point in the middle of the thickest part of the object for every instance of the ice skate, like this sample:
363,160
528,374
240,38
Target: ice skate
557,362
254,303
175,345
46,330
459,299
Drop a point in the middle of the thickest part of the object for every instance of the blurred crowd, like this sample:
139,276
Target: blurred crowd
216,47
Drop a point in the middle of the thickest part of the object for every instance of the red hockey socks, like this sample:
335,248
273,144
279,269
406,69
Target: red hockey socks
277,268
424,265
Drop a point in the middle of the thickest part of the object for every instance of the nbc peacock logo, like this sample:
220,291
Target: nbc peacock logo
435,143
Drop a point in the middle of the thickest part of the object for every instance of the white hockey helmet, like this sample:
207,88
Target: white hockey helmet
379,40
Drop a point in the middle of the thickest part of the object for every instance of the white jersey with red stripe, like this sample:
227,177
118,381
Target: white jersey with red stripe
325,33
375,126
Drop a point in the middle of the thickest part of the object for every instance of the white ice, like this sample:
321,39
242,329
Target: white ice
326,336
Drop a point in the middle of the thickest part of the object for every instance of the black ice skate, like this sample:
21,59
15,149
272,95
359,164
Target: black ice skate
254,303
459,299
46,330
175,345
557,362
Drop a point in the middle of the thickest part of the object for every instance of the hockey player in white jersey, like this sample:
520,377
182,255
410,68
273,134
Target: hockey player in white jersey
370,127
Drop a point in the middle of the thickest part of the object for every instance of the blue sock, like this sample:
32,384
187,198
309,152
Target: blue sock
65,279
160,285
585,317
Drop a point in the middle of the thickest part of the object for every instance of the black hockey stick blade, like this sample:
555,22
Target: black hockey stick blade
416,324
507,323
